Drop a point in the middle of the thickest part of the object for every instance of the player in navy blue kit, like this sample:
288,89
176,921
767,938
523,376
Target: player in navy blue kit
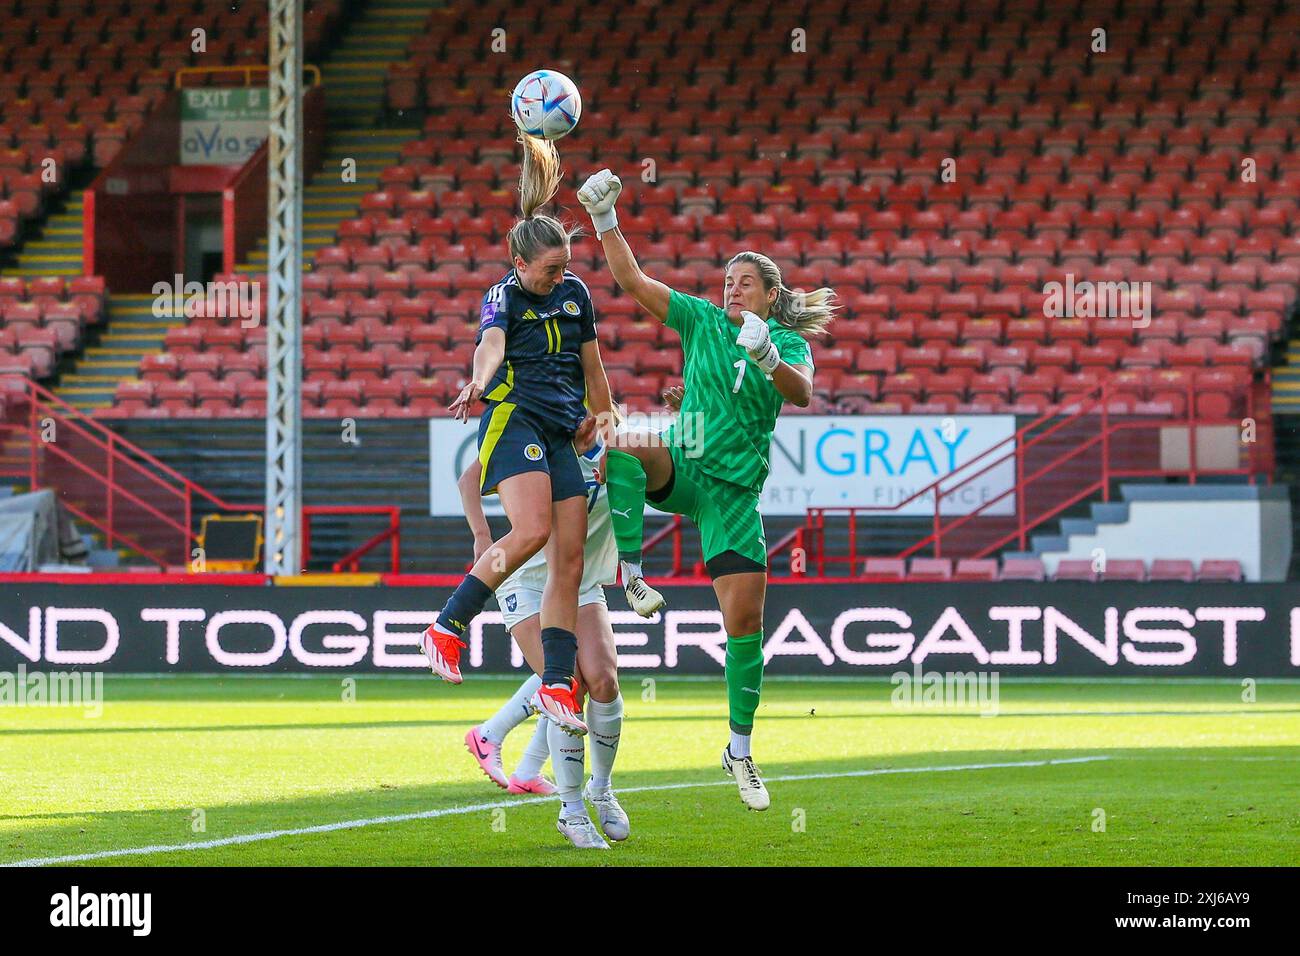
537,369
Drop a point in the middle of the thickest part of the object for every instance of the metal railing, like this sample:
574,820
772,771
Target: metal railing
1058,460
133,498
245,71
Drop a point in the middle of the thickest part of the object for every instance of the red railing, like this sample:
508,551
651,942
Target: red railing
670,531
243,208
243,200
349,562
134,499
1060,459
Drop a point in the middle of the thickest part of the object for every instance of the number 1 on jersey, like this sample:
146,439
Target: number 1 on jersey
740,375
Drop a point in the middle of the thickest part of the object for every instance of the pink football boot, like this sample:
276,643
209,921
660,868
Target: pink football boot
538,785
488,756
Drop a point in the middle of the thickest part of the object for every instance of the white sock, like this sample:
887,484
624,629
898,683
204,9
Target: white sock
630,570
567,753
739,744
535,754
605,722
512,713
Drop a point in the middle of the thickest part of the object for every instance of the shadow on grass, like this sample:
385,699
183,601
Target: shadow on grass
907,713
918,797
372,688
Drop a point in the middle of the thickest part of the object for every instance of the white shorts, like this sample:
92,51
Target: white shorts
520,603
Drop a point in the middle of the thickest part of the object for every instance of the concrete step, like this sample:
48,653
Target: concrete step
1109,512
1049,542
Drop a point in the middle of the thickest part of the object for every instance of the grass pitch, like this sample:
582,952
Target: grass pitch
201,770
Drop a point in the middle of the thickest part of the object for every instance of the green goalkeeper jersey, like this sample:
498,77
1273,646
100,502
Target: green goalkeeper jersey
730,407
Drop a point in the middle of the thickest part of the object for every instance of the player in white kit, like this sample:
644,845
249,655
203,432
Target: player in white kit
520,600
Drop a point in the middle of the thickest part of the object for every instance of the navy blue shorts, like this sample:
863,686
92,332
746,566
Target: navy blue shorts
511,441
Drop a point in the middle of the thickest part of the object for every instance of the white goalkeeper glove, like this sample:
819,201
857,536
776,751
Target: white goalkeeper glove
756,339
598,195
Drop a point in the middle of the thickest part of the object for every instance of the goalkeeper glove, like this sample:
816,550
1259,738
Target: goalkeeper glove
756,339
598,195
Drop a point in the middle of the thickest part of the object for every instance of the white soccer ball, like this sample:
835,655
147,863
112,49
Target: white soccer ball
546,104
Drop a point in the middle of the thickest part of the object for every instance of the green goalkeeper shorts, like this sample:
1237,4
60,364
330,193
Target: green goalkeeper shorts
727,516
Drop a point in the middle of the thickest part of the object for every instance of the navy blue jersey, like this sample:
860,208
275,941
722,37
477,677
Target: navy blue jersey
542,369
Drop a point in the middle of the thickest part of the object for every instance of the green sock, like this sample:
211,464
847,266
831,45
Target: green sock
626,484
744,679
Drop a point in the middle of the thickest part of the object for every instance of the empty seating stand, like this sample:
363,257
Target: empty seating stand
80,77
43,318
986,570
1069,169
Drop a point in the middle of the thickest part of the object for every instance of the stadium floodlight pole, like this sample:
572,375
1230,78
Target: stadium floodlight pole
283,516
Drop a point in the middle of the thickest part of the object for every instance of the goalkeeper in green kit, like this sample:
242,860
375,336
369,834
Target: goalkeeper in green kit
741,364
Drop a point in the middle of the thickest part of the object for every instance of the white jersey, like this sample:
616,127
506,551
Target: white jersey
600,556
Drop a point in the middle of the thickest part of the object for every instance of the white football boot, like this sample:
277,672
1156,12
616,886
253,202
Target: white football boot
613,819
642,598
581,832
752,792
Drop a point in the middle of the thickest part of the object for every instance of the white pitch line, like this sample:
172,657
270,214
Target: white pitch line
477,807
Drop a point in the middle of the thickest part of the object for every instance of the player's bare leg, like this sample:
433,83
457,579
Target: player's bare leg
555,699
741,596
637,461
526,499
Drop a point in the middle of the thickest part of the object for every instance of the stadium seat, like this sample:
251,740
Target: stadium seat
1023,569
1227,570
1122,570
1072,569
930,569
1166,569
893,569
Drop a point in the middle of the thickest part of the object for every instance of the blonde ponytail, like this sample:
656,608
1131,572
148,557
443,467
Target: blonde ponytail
540,175
539,181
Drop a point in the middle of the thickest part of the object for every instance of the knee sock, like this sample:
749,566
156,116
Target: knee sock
512,713
626,483
559,655
464,605
535,754
744,683
605,722
567,754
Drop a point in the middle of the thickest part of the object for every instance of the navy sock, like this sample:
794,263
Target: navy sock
559,655
464,605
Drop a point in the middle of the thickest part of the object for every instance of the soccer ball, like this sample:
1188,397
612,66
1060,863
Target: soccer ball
546,104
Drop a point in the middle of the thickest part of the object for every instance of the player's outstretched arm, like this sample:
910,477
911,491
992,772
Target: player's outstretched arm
598,195
488,356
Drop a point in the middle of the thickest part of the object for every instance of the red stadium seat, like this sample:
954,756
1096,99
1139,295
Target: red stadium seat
1023,569
976,569
893,569
1224,571
1165,569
